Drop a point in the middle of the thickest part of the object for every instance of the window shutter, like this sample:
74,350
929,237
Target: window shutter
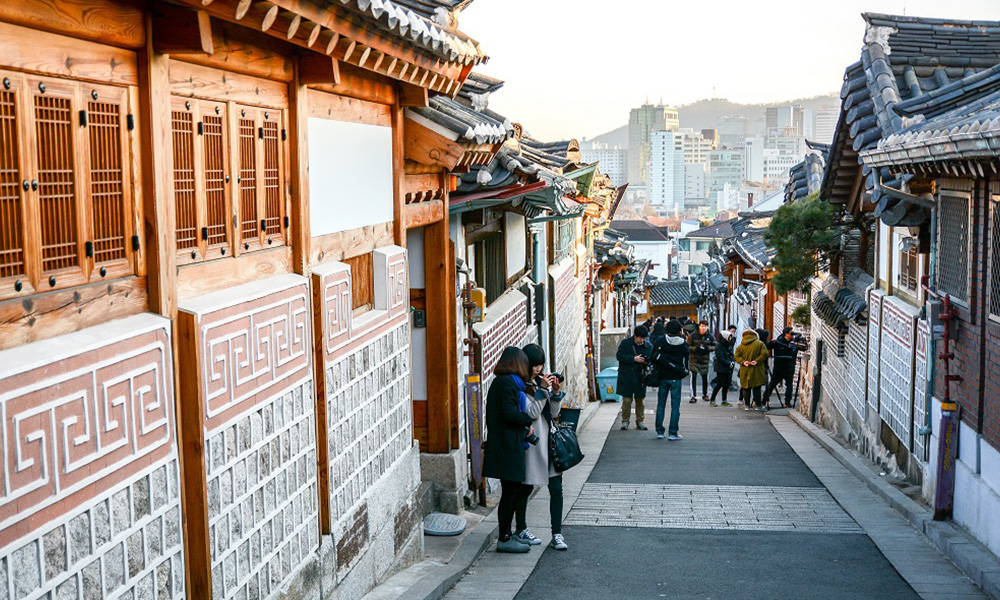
215,180
56,172
11,203
249,224
184,196
272,177
107,179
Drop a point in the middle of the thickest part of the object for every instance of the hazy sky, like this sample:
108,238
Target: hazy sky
574,67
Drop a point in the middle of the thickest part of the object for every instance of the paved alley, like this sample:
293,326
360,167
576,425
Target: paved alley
732,511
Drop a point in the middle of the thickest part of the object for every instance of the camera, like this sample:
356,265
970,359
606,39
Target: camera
558,376
532,439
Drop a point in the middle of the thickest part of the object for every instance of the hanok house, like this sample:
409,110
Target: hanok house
449,135
907,64
223,182
946,159
671,298
752,298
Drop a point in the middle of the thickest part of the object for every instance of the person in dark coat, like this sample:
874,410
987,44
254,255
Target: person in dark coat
724,364
507,427
783,354
701,344
633,362
670,356
659,330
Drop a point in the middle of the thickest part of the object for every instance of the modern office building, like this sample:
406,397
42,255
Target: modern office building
666,171
642,123
613,161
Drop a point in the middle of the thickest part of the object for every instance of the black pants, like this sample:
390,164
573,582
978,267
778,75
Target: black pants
779,375
513,499
745,394
556,502
694,384
722,382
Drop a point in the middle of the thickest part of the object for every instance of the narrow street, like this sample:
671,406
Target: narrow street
732,511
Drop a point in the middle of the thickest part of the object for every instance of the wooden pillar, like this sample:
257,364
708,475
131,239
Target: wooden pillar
442,359
398,194
298,130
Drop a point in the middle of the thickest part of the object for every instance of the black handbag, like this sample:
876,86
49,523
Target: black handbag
564,448
651,378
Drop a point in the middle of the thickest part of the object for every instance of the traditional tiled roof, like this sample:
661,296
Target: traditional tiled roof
807,177
838,303
468,116
640,231
554,155
747,292
720,230
959,121
673,292
426,24
749,244
902,58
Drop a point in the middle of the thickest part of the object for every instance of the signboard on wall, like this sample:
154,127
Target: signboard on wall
474,419
350,175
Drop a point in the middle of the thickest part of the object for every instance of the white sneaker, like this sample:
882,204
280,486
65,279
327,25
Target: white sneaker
527,537
558,542
675,437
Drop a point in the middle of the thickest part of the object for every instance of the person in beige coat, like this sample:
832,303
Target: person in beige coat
539,469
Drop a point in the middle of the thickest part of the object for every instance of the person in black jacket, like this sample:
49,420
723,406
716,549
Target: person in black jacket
507,426
633,361
724,364
670,357
701,344
783,354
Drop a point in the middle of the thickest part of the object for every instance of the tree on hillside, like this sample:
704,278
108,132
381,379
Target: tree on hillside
805,236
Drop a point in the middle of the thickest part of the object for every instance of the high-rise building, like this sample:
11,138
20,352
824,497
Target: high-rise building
666,171
613,162
696,147
642,122
725,168
694,185
753,159
733,130
818,124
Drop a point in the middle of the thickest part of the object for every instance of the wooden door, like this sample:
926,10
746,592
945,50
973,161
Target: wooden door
14,187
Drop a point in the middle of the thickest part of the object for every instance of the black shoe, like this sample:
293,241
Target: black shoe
624,425
641,427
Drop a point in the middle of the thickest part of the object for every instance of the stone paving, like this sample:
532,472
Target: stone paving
735,510
740,507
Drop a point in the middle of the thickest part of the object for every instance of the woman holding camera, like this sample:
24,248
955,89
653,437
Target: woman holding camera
509,415
540,470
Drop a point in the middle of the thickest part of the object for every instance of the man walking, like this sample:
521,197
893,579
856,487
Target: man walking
671,354
701,344
633,361
783,353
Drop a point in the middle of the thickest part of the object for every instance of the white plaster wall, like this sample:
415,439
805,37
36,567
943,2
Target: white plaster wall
418,336
977,495
350,175
658,252
515,236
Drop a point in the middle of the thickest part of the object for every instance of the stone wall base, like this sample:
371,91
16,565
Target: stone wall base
447,475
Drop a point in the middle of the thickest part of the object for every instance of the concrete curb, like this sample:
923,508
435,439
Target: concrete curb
436,584
974,560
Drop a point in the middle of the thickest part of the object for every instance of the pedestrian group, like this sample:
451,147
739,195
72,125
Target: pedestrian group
678,347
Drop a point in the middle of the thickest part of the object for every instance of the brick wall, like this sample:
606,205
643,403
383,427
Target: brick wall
506,324
570,347
92,507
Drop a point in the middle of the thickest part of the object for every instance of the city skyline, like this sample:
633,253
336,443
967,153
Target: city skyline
546,100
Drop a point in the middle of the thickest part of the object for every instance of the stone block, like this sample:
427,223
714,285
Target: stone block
67,590
25,567
54,546
79,536
91,575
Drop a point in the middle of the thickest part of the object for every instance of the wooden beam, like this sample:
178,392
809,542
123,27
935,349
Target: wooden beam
424,213
181,30
398,173
442,372
427,147
314,32
412,95
298,104
316,69
319,375
119,24
159,249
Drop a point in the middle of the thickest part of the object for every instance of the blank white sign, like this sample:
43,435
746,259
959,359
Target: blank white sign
350,175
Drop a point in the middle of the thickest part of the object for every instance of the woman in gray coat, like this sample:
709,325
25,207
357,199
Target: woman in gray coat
538,466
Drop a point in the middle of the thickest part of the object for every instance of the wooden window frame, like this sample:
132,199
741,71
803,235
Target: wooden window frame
362,282
86,196
201,185
909,270
270,227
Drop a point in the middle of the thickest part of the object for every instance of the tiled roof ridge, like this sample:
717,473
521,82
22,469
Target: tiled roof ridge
946,97
874,17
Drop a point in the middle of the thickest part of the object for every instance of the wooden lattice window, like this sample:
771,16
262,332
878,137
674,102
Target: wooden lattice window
66,202
201,179
362,281
261,164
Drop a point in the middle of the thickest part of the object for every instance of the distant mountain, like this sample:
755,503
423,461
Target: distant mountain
705,114
615,137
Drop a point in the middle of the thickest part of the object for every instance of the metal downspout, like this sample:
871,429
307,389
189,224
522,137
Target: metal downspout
927,429
540,276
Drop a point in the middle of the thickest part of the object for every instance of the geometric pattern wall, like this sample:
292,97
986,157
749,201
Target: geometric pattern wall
254,382
89,492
